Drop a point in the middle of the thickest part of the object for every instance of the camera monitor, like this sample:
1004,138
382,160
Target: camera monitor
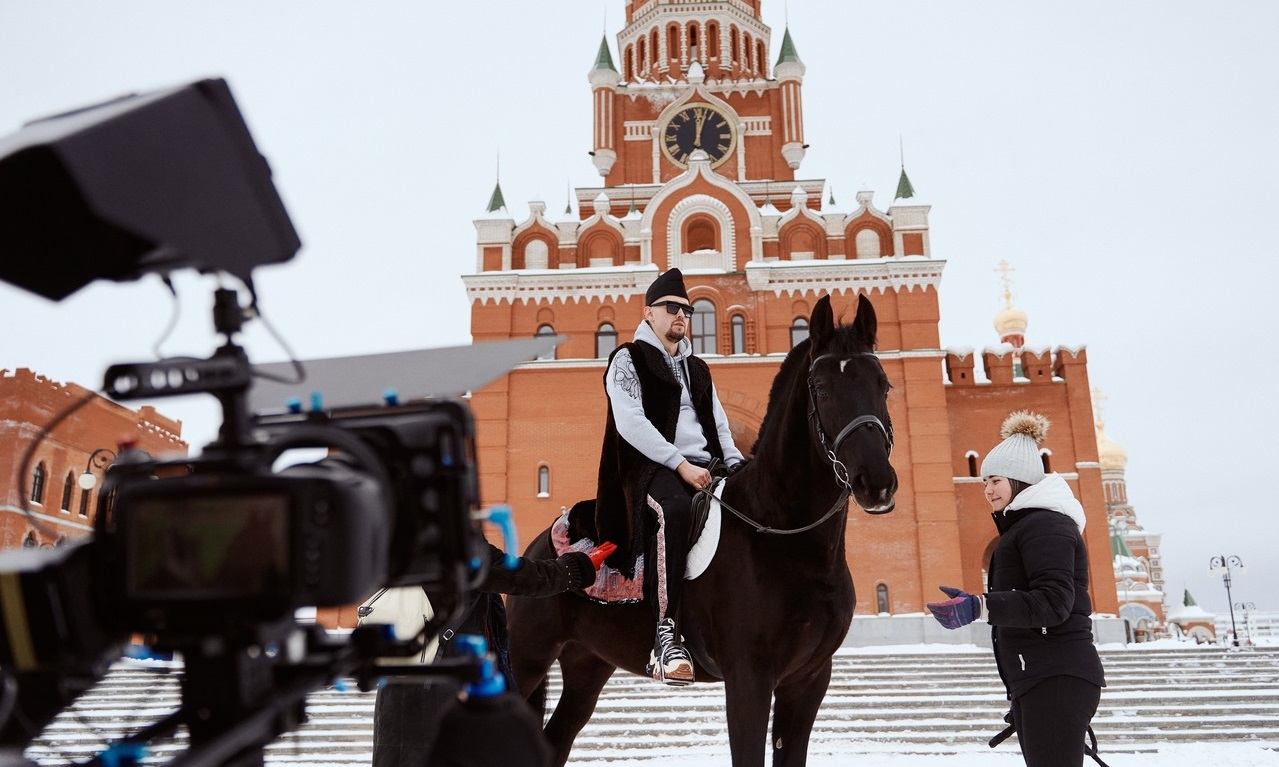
146,183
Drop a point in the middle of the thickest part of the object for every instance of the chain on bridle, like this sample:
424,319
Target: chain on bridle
831,450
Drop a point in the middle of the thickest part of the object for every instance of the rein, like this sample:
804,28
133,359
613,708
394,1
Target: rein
830,449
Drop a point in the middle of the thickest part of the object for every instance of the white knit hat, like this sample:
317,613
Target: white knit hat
1017,457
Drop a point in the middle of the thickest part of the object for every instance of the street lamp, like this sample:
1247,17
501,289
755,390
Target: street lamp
1247,608
1221,566
99,459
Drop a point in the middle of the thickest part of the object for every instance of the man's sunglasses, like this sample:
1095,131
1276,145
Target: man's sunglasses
675,307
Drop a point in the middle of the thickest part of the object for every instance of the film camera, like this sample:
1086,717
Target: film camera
211,556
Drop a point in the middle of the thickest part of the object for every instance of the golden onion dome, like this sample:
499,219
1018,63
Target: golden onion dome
1110,453
1009,321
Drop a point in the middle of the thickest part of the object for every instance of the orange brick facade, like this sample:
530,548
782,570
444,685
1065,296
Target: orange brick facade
87,439
758,248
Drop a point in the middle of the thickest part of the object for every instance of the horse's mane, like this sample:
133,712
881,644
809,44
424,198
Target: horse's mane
844,340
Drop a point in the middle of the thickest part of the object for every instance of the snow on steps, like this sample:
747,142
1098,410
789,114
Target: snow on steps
950,701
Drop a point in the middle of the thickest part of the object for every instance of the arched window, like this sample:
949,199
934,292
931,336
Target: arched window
672,42
972,463
30,541
536,255
732,44
656,53
881,598
37,484
643,54
1045,456
694,50
605,340
546,330
84,503
630,63
543,481
798,331
700,235
68,488
867,244
712,40
738,327
704,337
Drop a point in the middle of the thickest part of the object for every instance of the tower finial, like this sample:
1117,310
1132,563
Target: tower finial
1005,275
1097,399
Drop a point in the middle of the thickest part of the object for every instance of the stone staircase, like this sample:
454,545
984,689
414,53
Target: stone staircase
921,702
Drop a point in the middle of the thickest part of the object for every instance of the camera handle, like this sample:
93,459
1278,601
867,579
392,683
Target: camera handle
226,375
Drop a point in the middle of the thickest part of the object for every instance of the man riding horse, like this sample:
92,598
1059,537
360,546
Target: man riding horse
666,428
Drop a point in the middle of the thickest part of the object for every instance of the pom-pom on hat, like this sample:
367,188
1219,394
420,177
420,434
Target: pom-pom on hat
1017,457
669,283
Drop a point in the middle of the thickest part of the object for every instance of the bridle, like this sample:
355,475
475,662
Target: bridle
831,450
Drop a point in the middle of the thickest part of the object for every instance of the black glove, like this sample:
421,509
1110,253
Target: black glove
580,569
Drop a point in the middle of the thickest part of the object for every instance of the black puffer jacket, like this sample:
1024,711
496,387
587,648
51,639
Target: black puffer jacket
1037,592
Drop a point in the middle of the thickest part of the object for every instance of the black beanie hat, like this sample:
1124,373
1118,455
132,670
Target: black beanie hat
671,283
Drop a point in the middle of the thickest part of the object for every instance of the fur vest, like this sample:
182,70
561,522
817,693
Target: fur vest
625,473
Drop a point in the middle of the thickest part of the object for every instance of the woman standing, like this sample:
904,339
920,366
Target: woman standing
1036,600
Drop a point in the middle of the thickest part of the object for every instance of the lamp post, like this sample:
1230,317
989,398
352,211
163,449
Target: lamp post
1221,566
100,459
1247,608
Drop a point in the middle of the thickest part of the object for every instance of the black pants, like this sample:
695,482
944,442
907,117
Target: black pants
668,545
1052,721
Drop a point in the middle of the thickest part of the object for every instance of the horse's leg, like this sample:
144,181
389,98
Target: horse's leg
747,697
583,677
794,712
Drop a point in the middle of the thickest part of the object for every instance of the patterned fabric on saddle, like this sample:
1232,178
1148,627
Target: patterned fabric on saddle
611,585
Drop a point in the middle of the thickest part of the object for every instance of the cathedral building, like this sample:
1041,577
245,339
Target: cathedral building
699,141
1139,572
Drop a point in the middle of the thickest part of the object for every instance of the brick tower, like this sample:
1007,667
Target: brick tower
697,141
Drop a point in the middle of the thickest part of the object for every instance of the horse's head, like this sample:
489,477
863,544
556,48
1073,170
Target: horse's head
848,412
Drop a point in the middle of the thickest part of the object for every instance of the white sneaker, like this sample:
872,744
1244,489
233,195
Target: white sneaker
669,663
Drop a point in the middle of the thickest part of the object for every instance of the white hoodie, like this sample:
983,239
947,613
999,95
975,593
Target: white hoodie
1051,493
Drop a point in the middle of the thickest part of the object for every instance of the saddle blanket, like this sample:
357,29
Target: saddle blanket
612,586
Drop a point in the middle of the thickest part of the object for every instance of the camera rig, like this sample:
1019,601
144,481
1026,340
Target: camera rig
211,556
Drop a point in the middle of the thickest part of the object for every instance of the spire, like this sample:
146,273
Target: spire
904,190
832,197
496,202
788,53
1188,600
604,59
1118,547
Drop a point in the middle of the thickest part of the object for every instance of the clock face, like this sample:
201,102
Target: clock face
697,126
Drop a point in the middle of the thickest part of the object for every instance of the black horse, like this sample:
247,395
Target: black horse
777,600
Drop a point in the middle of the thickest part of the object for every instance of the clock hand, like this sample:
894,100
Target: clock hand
697,132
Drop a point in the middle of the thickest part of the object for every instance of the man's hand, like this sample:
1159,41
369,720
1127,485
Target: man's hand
694,476
960,610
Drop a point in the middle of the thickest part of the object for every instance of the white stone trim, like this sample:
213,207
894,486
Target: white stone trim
563,286
869,275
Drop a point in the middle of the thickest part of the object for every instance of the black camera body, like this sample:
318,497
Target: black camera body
189,547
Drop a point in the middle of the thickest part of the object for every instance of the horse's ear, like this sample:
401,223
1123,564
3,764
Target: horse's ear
866,325
822,324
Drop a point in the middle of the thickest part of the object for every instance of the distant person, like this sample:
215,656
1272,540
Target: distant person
1036,601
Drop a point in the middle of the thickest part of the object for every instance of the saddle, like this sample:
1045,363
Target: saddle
612,585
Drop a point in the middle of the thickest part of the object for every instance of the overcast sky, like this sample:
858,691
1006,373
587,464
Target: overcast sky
1122,157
